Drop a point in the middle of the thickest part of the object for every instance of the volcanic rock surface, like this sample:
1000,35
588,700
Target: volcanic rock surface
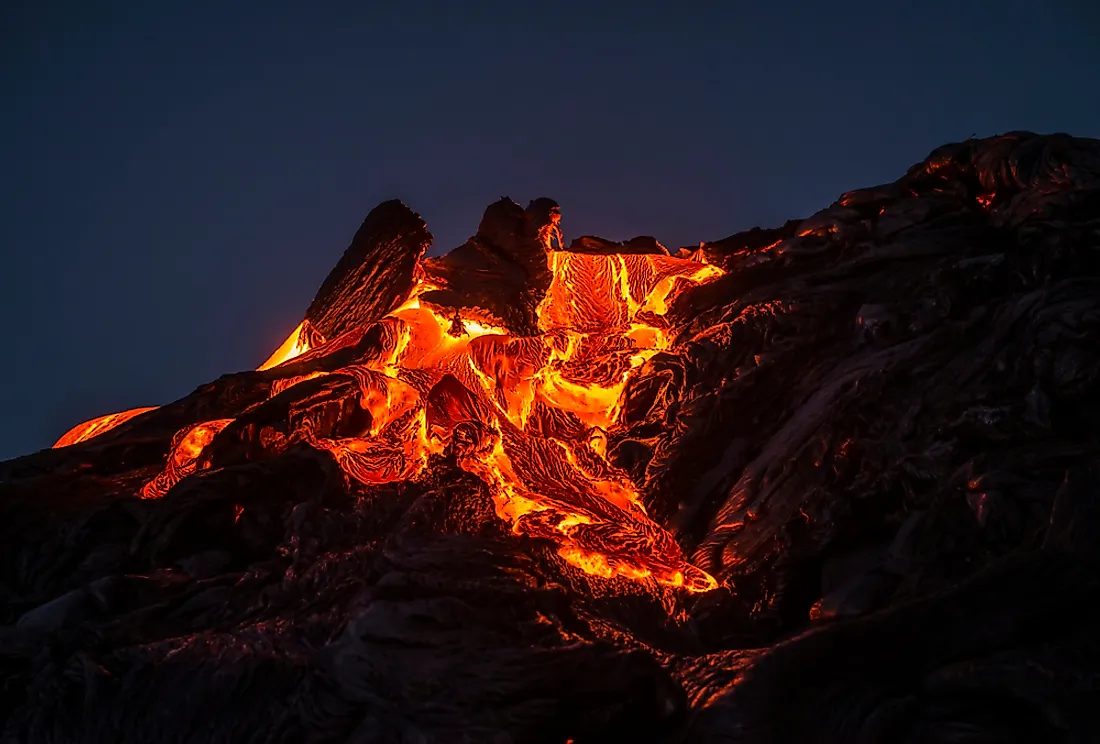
835,481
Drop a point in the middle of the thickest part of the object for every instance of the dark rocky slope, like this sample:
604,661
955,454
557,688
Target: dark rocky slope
877,430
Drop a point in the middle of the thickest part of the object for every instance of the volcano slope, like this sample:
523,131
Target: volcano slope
830,482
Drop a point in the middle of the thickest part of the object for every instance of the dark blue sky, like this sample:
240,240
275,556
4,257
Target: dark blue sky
176,183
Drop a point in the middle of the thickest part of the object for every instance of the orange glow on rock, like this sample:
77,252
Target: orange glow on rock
528,415
93,428
187,445
301,339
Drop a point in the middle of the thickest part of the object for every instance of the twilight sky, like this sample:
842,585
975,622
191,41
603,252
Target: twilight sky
177,183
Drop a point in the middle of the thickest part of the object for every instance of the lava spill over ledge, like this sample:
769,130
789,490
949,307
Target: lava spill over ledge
528,411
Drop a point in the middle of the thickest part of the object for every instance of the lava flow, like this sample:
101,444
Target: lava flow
301,339
529,415
100,425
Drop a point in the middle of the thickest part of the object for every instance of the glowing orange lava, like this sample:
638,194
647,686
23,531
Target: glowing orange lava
301,339
187,445
93,428
528,415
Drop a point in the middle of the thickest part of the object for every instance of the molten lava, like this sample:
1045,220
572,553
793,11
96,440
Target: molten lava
528,415
187,445
301,339
101,425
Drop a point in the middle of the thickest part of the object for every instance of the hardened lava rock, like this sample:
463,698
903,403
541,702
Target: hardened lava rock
842,485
